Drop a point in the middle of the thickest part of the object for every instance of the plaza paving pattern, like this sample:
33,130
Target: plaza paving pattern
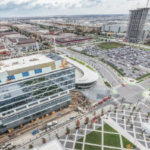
100,136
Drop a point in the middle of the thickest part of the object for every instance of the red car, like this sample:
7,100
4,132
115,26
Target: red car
105,99
100,102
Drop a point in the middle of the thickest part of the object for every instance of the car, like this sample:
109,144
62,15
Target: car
133,71
100,102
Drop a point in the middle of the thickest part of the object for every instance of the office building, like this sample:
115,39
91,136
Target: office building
32,87
135,31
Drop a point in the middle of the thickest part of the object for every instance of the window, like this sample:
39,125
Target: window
20,108
38,71
0,81
25,74
33,104
12,77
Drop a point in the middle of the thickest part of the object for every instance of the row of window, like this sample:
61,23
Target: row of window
24,74
37,109
29,82
24,99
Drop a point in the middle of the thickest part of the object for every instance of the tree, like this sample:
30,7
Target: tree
123,118
94,114
67,130
99,119
128,121
86,120
102,111
43,140
131,126
30,146
115,111
130,106
110,108
123,107
57,136
138,109
135,117
131,114
91,125
78,124
71,135
148,114
134,108
143,131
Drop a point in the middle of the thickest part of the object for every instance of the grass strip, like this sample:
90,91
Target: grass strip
107,84
146,75
113,67
90,67
82,63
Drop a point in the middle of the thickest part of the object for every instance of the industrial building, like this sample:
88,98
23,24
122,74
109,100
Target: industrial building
72,40
32,87
135,31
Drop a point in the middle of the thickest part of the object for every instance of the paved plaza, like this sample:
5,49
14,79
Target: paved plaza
113,128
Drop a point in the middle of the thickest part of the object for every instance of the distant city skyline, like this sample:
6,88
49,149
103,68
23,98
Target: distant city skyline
27,8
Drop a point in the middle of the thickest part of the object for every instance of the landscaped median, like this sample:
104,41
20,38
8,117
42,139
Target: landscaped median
112,67
81,62
144,76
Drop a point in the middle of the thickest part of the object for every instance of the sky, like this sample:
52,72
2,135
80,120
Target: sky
28,8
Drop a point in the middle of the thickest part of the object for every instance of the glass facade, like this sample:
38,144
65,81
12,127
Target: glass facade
24,100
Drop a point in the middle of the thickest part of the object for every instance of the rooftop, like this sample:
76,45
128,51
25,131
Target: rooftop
28,61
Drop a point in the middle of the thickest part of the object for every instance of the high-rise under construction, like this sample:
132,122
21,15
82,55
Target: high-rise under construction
137,19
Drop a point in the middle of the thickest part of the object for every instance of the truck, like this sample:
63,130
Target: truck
35,131
80,109
51,123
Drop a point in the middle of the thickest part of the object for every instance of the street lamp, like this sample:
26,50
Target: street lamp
137,102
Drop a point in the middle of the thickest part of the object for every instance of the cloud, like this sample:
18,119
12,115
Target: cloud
35,4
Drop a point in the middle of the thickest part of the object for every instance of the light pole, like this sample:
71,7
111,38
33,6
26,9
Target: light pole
137,102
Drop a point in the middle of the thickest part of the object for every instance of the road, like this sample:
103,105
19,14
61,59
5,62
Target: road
37,139
110,75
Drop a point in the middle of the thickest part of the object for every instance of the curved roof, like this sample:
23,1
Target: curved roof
89,75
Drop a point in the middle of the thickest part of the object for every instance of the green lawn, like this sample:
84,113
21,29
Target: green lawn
109,128
112,140
89,147
78,146
126,142
110,45
94,137
82,63
90,67
100,128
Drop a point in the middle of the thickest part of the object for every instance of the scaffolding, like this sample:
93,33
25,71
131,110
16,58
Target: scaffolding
136,32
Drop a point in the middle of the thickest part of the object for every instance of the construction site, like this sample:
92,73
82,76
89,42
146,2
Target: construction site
78,101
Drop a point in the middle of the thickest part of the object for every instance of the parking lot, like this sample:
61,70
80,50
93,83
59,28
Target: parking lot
127,60
91,50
